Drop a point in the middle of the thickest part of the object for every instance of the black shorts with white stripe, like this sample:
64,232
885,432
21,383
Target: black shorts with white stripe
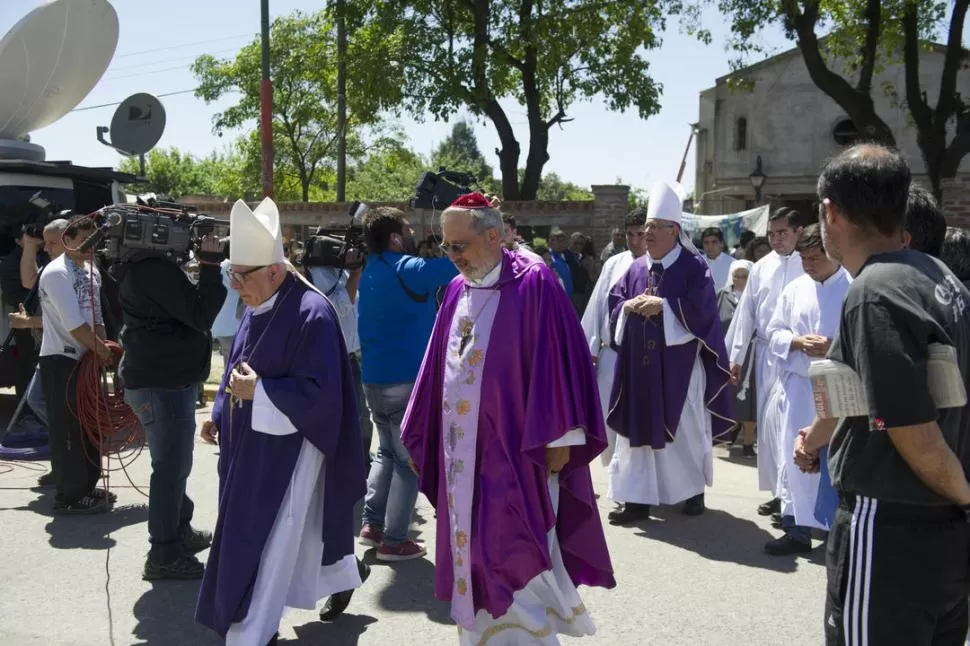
898,575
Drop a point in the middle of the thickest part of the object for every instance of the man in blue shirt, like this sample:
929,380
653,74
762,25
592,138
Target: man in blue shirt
558,244
397,310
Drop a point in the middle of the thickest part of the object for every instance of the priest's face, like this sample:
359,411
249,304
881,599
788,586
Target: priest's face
636,240
475,253
818,265
256,284
782,236
661,237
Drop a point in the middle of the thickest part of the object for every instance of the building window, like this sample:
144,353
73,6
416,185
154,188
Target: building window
845,133
741,134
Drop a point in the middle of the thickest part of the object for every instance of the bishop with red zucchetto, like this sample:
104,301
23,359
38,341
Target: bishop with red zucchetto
502,424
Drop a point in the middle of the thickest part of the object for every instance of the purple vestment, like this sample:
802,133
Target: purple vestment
537,383
651,379
298,351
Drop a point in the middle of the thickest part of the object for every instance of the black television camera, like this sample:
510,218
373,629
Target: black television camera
438,190
329,247
152,228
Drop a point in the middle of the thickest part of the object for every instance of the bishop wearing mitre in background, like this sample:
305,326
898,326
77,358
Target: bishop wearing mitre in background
670,397
291,464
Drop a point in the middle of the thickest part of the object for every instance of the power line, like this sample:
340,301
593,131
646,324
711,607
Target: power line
110,105
148,72
171,60
165,49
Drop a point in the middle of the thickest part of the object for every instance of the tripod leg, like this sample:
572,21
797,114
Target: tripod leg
16,413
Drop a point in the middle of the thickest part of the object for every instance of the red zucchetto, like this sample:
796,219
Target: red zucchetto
472,201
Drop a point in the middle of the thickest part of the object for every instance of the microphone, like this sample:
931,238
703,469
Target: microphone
93,240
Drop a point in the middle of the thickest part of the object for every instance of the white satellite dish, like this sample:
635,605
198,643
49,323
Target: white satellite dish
51,60
138,124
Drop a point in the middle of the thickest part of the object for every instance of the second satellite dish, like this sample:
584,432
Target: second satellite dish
138,124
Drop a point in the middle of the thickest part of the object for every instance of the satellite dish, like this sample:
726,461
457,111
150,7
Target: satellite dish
138,124
51,60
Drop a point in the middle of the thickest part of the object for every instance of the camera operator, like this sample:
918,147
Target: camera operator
340,286
15,288
168,349
397,312
70,299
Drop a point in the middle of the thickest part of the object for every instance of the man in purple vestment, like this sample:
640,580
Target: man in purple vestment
502,425
291,463
670,397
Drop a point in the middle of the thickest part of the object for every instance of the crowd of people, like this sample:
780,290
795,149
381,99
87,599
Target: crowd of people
495,372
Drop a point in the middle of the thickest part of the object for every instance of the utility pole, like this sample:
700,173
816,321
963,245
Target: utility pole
341,103
266,106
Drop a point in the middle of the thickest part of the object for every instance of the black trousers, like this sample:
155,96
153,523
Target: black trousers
897,575
76,461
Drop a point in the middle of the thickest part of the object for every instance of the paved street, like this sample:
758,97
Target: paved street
76,581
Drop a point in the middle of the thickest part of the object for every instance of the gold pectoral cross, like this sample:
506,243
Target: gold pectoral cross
467,326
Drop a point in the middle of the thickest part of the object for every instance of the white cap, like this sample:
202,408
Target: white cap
256,239
664,203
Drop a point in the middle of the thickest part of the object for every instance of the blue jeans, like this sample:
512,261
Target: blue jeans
392,487
366,426
798,532
35,397
168,417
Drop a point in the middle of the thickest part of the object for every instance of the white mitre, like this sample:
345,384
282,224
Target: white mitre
664,203
256,238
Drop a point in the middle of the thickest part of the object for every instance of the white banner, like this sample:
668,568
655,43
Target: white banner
731,225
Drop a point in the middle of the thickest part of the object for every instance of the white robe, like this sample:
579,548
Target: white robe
805,307
549,604
290,572
767,279
720,269
596,325
685,466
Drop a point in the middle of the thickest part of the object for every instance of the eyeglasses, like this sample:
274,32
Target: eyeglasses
241,276
653,226
454,247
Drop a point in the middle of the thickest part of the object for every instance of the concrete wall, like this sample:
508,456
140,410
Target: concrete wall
594,218
790,124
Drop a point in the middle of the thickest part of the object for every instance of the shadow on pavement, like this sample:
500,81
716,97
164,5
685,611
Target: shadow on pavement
346,630
166,614
717,536
88,532
734,457
411,588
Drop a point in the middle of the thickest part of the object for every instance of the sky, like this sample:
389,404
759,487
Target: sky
159,41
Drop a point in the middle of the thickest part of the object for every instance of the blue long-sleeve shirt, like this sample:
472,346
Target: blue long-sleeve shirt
394,329
562,268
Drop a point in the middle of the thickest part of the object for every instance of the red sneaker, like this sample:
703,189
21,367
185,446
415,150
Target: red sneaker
401,552
371,536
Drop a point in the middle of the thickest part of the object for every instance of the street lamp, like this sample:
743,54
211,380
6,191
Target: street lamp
757,180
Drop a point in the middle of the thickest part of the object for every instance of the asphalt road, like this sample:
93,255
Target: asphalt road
76,581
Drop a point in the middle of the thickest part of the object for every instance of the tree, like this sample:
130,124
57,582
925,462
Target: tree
459,152
390,173
303,58
171,172
546,55
553,188
866,35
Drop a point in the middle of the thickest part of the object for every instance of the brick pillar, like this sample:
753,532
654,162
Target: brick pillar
956,201
611,204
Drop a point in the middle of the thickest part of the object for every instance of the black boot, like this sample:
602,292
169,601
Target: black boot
632,512
773,506
787,545
337,603
694,506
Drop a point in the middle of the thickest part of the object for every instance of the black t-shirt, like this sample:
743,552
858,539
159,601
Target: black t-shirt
898,304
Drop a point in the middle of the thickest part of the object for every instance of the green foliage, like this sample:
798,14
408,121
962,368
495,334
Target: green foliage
473,53
175,174
389,174
459,152
555,189
303,57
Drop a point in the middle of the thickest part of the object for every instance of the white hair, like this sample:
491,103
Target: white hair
60,224
482,219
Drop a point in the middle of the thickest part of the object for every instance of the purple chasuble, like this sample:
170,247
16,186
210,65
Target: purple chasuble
537,383
651,378
298,351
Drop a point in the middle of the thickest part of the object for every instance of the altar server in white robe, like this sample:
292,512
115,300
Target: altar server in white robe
596,318
805,322
767,279
719,262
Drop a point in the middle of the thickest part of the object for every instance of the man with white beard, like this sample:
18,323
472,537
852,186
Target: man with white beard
596,318
767,279
805,322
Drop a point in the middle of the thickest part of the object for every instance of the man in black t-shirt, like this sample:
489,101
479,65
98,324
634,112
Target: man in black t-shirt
898,548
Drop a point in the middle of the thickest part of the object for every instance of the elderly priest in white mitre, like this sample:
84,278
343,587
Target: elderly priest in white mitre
291,464
670,398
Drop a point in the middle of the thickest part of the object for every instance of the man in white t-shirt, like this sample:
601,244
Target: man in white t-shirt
70,299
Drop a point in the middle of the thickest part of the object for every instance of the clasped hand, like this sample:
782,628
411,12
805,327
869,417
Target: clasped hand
805,459
813,345
645,305
242,382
